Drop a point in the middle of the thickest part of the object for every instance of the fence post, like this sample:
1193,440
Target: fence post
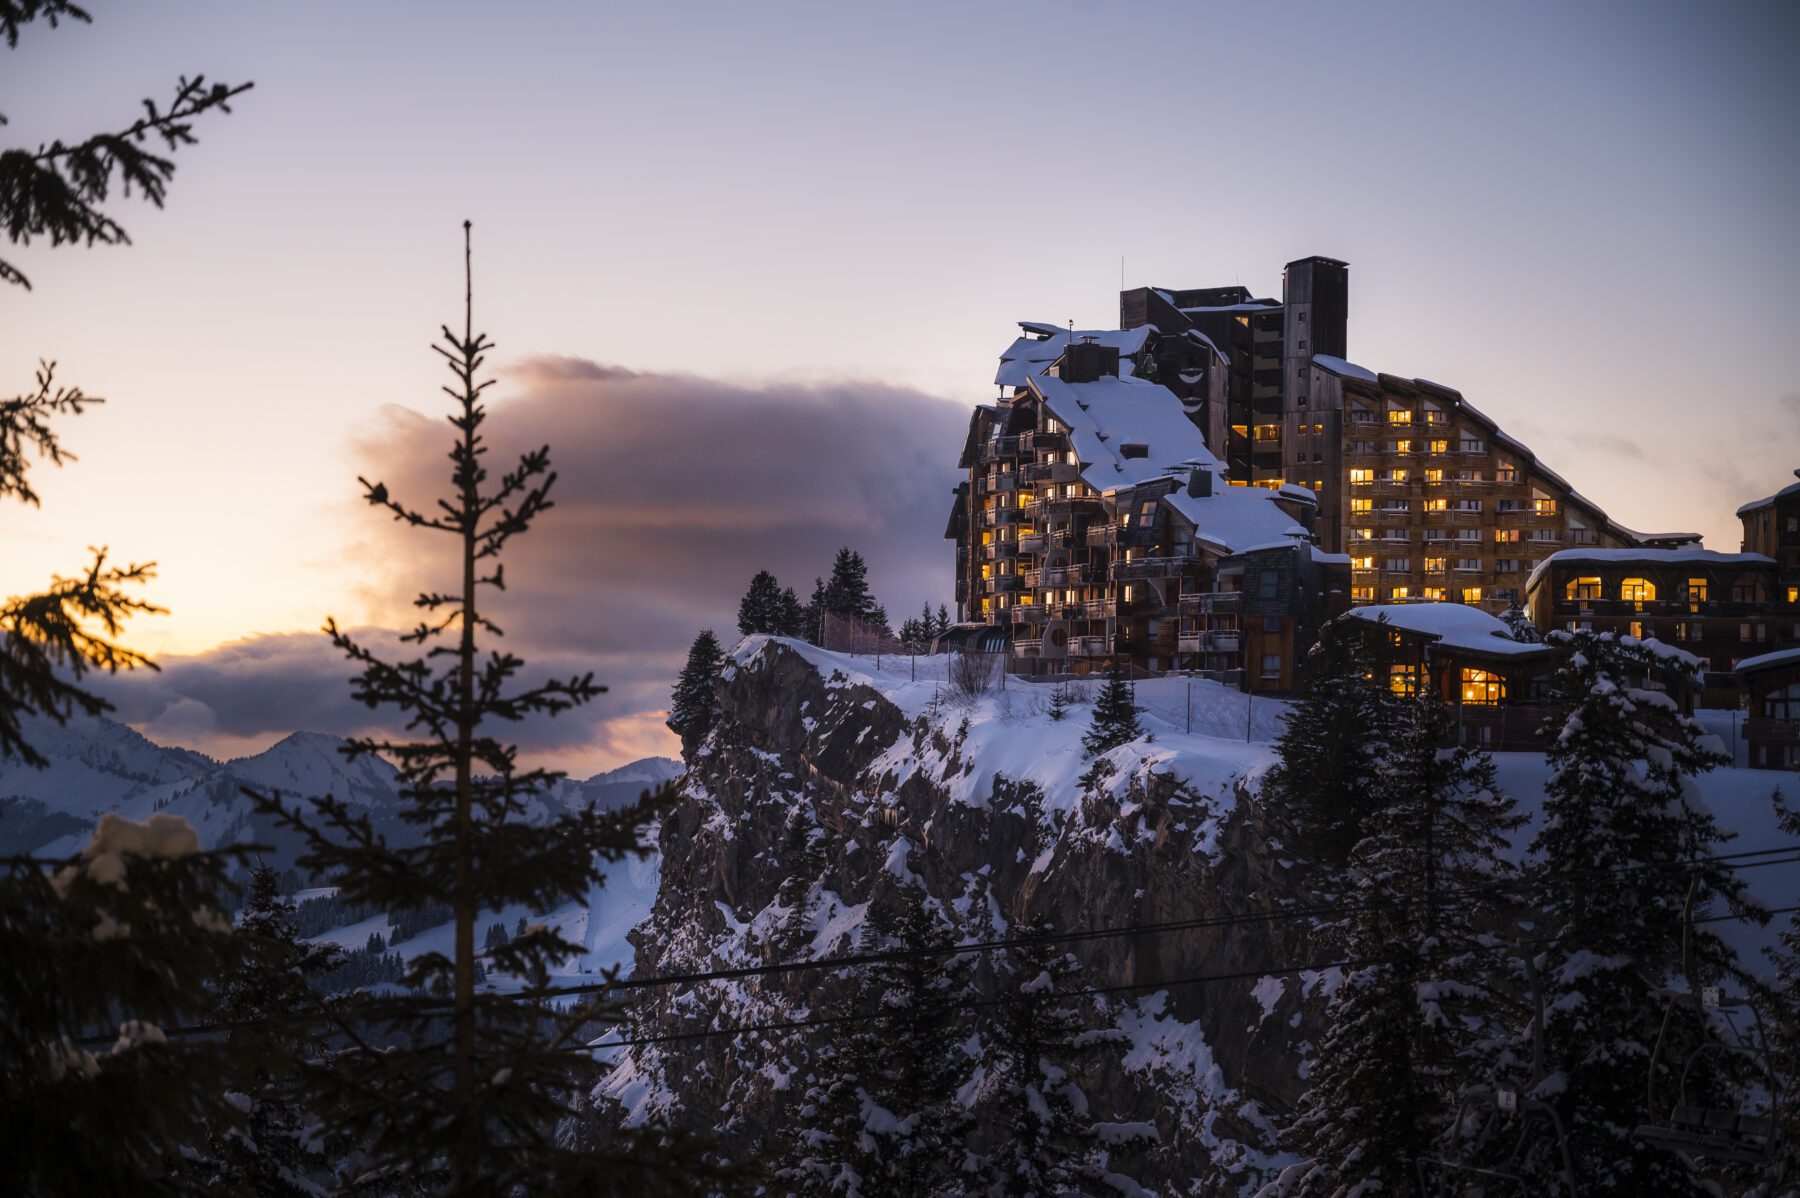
1189,683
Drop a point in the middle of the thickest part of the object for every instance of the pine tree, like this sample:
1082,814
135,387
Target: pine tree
792,616
1520,626
882,1116
943,621
1044,1135
1323,779
464,1093
1061,699
812,616
760,610
694,706
847,595
1115,720
273,1155
131,935
1622,860
1413,1023
1780,1006
55,190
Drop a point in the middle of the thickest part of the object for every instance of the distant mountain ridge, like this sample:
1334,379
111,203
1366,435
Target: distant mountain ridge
98,765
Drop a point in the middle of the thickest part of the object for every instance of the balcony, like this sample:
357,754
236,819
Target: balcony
1210,603
999,549
998,448
1058,576
1047,441
1003,583
1031,542
1067,505
997,483
1031,613
995,517
1210,642
1114,535
1050,472
1089,646
1152,567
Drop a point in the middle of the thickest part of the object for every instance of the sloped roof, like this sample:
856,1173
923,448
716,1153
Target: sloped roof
1454,625
1031,355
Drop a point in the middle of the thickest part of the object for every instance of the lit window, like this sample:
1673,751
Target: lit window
1638,590
1582,588
1362,594
1440,446
1637,629
1506,474
1434,474
1696,593
1435,593
1437,505
1395,476
1403,680
1399,416
1402,447
1506,536
1362,505
1543,507
1481,686
1401,593
1471,595
1436,565
1361,475
1362,563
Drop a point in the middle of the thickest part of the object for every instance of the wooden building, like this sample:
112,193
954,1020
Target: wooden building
1096,526
1772,727
1495,682
1722,607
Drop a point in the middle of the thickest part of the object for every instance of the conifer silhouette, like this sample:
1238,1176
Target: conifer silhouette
470,1103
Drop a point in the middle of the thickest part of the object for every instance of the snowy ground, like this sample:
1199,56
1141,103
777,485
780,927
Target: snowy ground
1011,733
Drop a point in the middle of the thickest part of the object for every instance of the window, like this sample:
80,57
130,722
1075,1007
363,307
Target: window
1468,534
1506,565
1506,536
1362,534
1437,505
1481,686
1696,593
1543,507
1433,415
1471,594
1544,534
1638,591
1398,593
1403,680
1793,594
1636,628
1396,505
1268,432
1362,447
1362,594
1582,588
1506,474
1400,447
1361,416
1468,505
1266,584
1394,476
1361,476
1399,416
1440,446
1436,565
1271,665
1748,592
1753,632
1434,474
1362,563
1436,594
1362,505
1473,445
1783,704
1469,564
1398,565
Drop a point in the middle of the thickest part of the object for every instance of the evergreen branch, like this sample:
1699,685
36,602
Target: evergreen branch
25,423
17,13
43,637
55,191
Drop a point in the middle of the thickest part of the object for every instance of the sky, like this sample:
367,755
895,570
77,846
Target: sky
747,267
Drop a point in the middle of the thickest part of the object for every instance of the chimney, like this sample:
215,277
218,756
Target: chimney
1199,483
1086,361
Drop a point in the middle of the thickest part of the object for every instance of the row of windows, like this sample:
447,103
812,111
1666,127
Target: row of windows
1642,590
1477,686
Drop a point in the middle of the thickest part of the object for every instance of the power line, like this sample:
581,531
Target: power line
1783,855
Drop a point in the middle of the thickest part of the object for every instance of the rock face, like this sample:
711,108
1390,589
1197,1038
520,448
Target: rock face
825,786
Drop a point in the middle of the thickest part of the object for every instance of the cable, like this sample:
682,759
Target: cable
1784,855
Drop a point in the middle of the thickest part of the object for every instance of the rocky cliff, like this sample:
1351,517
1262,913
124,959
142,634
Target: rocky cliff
827,783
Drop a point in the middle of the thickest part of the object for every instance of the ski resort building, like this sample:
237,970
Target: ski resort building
1772,728
1719,606
1772,528
1097,527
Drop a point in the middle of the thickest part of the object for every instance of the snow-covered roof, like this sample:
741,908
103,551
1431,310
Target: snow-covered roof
1109,413
1452,624
1781,657
1649,557
1349,370
1790,489
1031,355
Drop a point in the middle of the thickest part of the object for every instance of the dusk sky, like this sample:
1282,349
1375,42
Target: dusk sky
749,265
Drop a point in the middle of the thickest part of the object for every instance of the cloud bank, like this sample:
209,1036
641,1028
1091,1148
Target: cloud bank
671,492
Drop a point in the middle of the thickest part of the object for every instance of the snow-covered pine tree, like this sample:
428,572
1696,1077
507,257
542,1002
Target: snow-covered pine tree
1061,699
1520,626
1624,854
131,934
262,1005
1044,1138
464,1094
694,706
1115,719
1323,779
1415,1018
1780,1006
882,1118
759,611
943,621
